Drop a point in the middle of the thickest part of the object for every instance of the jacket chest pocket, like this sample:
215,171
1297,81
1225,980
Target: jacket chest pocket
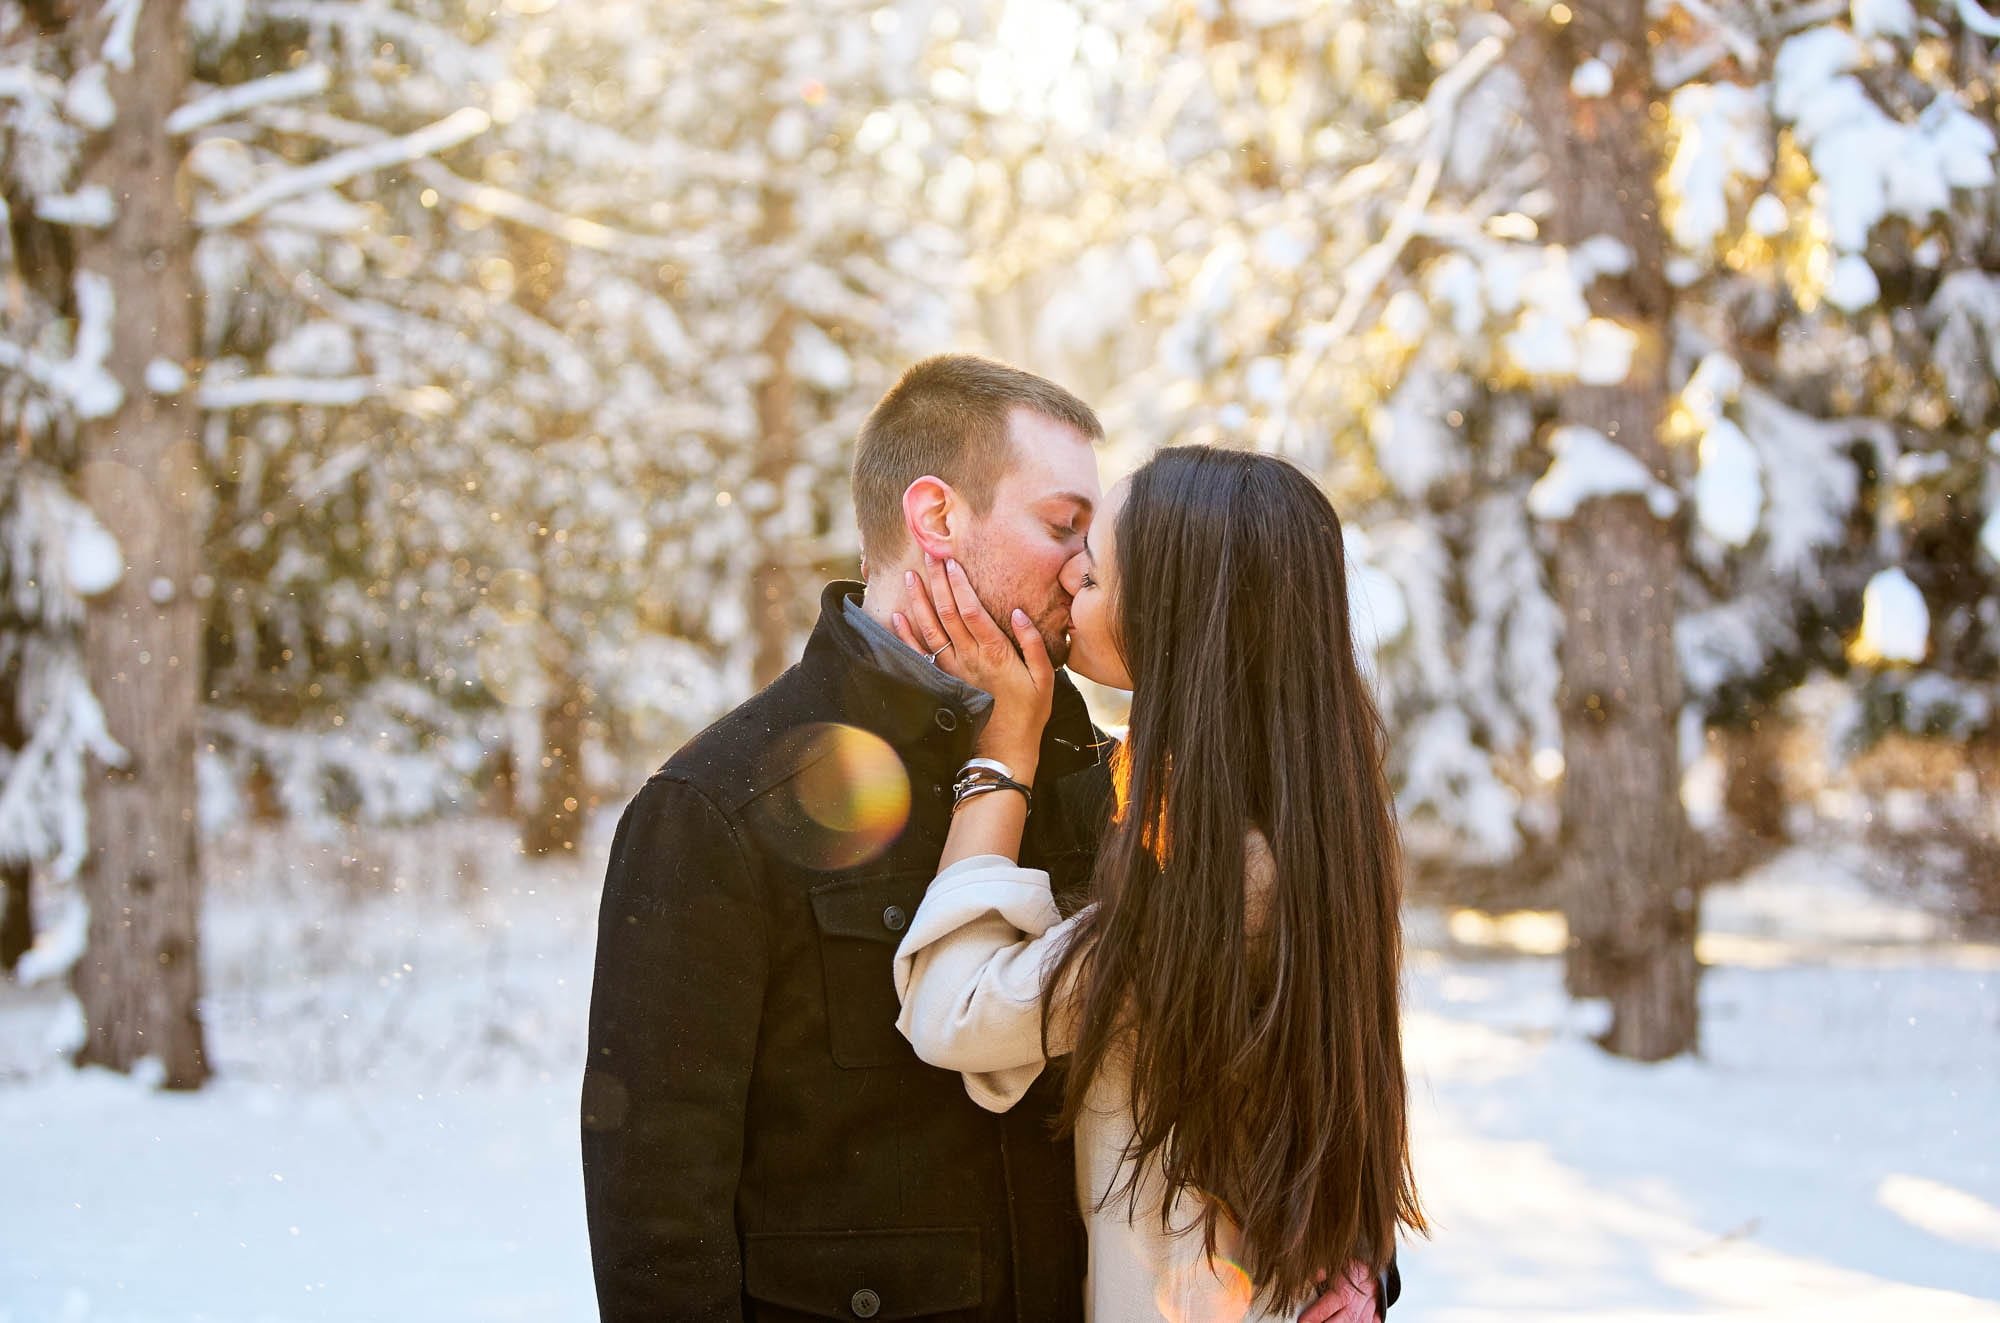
860,921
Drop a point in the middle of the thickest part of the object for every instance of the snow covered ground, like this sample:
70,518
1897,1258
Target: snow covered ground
399,1033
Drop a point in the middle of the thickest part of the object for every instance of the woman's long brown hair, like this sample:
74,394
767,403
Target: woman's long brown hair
1266,1057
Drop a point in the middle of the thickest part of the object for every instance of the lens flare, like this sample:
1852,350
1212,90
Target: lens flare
509,670
846,798
1211,1291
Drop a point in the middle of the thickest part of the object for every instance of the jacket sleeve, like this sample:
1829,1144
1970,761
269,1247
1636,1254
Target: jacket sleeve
969,976
676,1001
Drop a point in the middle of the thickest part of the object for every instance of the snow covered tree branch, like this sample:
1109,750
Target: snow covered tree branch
458,127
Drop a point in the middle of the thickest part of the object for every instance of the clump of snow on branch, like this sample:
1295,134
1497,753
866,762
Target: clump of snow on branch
1883,18
1895,622
1965,313
1413,444
1729,486
1590,466
1807,510
53,553
87,99
88,208
1591,79
1722,138
1871,165
1448,778
1852,285
1379,612
81,382
1556,336
1511,668
55,952
165,377
1768,216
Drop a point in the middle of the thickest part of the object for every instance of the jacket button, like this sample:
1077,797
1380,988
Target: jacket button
946,719
865,1303
893,918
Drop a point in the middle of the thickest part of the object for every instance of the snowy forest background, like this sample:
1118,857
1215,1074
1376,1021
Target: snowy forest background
423,415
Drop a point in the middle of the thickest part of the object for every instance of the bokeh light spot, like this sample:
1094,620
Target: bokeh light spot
516,595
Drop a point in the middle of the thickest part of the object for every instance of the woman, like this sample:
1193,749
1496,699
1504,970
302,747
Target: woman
1229,1006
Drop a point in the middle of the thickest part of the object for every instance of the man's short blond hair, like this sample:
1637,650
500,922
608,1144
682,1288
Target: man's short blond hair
947,418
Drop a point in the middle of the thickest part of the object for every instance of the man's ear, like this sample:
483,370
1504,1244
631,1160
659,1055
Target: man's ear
930,511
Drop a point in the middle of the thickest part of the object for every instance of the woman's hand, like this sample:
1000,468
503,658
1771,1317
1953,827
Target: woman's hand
1349,1300
946,614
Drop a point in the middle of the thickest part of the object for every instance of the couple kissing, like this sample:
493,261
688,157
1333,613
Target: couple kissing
918,997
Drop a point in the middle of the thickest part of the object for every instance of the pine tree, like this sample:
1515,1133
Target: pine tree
1827,196
1628,888
139,979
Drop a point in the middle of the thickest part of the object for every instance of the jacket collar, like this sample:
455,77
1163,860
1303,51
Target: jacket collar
929,717
895,658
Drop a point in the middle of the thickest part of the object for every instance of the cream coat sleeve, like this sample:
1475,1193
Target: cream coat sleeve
969,975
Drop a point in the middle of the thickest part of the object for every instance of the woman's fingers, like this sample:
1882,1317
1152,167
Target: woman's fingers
945,605
945,613
1350,1298
971,610
923,616
1034,651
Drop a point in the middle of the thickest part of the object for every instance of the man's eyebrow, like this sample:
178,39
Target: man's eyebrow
1077,499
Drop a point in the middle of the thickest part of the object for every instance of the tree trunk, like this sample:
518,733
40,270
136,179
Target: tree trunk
17,917
775,613
1628,893
555,824
139,977
1753,794
17,920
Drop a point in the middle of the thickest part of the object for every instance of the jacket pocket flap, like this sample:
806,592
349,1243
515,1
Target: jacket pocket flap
870,909
864,1274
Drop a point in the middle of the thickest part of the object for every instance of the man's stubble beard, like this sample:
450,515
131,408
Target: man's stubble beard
1055,635
1051,616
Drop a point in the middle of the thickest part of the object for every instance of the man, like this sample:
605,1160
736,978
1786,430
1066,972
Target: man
759,1142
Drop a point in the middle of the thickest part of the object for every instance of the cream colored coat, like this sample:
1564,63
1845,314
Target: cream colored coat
969,975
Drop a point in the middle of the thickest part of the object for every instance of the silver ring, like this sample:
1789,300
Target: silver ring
941,648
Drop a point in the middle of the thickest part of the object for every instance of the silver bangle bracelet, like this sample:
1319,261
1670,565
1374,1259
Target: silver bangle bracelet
973,790
988,765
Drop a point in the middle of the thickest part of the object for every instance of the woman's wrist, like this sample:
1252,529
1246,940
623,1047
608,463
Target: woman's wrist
989,823
1019,758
